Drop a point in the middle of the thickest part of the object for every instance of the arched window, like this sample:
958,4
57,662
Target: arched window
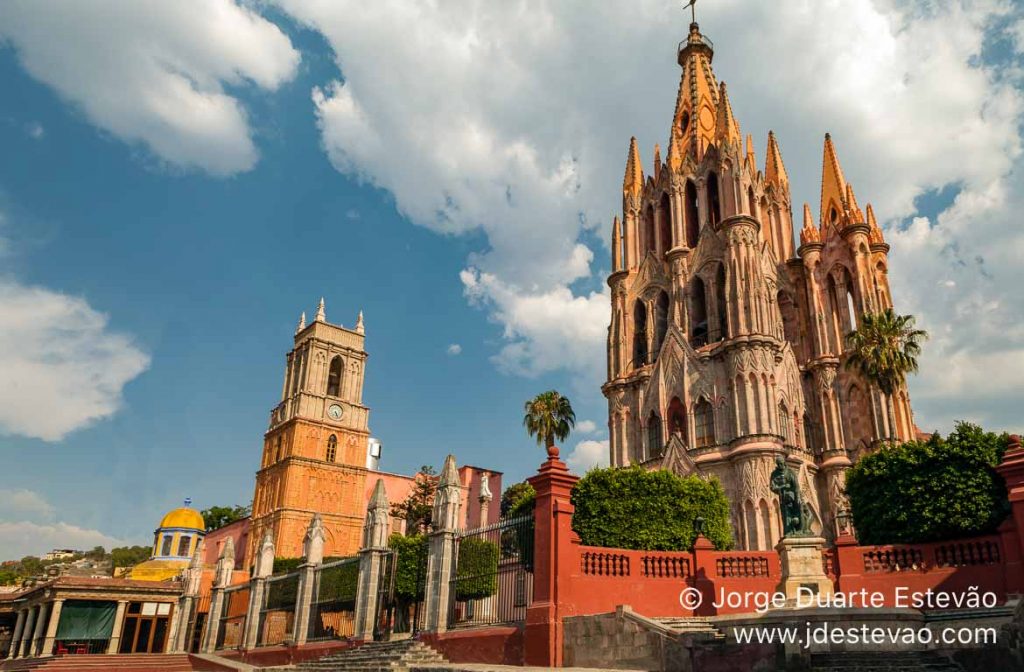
639,334
652,244
751,202
332,448
833,298
785,430
677,419
692,221
277,450
334,376
165,547
714,202
851,310
723,322
698,314
810,437
184,544
654,441
665,223
704,423
660,320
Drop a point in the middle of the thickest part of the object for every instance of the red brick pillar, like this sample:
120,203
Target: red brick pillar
705,575
552,515
1012,471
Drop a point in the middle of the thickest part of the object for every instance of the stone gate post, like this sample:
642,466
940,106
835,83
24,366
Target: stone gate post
313,557
257,587
371,561
225,568
178,637
552,515
1012,470
441,547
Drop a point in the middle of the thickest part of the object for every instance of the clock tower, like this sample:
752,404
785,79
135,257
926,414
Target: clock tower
314,450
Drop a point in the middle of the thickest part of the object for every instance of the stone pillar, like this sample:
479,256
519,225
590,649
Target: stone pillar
225,567
35,644
802,568
51,628
705,575
1012,471
442,547
371,561
257,587
313,553
178,637
24,645
486,497
552,515
19,628
115,634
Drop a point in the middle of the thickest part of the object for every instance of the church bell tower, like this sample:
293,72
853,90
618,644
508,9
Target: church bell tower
314,450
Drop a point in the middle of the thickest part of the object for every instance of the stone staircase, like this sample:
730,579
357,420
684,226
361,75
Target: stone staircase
692,625
378,657
883,661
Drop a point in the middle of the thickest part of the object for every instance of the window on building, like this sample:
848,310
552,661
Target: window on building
184,546
277,451
698,314
704,423
692,221
751,202
639,334
665,223
660,321
332,448
165,547
655,445
714,202
723,321
650,242
677,419
334,377
785,425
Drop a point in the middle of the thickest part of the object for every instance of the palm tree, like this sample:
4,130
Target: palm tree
549,416
884,349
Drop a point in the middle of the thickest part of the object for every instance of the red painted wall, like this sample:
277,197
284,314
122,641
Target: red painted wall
496,645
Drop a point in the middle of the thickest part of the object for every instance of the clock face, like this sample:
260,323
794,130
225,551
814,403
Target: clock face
335,411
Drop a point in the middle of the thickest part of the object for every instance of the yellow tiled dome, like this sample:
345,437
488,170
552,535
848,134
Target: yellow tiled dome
184,518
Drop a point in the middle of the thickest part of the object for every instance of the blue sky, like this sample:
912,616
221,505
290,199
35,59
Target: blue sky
452,173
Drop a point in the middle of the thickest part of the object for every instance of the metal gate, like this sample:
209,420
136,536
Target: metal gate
492,576
383,620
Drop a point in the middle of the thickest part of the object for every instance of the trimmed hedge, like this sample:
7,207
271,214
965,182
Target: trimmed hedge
477,571
633,508
931,490
411,566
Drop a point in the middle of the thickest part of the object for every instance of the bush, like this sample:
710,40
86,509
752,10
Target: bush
648,510
411,572
477,571
930,490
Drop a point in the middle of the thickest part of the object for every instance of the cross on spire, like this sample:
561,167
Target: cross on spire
692,4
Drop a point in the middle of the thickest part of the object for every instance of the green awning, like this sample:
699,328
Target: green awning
86,619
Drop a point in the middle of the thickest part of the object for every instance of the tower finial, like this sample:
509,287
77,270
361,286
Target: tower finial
360,327
833,187
633,181
774,169
321,314
692,4
302,322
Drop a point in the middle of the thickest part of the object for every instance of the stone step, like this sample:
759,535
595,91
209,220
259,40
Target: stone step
377,657
883,661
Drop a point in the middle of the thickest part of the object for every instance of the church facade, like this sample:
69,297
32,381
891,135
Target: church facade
726,342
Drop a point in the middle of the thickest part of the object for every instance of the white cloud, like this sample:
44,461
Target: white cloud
155,72
21,538
454,349
587,455
29,526
61,367
517,125
22,503
35,130
586,427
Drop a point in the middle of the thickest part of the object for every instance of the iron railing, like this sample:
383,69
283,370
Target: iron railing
492,576
232,620
277,613
332,612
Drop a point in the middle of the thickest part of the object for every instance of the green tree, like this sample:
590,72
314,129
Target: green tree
217,517
477,569
930,490
634,508
418,506
549,416
97,553
517,499
129,556
8,577
884,349
31,565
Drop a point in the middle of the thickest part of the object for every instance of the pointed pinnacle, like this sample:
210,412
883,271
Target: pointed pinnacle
302,322
851,204
657,161
633,181
833,183
321,314
726,128
449,474
360,325
774,169
379,500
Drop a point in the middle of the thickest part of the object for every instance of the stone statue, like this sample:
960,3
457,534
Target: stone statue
795,519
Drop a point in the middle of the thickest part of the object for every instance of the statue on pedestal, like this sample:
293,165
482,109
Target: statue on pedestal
796,519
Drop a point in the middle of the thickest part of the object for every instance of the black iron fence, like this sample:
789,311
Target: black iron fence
333,610
277,613
492,576
231,628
